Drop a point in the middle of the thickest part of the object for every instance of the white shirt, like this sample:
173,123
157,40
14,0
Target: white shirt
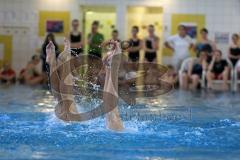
181,46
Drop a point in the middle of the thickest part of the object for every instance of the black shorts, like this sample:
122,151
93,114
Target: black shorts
197,73
197,70
150,56
133,56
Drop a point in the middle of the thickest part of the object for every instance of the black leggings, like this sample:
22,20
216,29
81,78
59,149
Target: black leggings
133,56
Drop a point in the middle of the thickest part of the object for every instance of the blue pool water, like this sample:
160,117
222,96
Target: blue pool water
178,125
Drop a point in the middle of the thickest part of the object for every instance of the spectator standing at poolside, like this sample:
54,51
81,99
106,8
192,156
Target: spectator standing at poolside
234,50
205,45
218,69
7,74
95,40
76,38
180,45
151,45
134,51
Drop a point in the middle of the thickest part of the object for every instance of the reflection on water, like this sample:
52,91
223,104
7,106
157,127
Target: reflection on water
182,125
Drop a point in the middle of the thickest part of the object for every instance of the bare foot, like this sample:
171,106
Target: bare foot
225,87
73,109
50,52
114,122
67,45
210,86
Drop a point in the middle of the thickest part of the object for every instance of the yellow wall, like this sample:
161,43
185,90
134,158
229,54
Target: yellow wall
106,15
7,43
106,19
54,15
142,17
177,19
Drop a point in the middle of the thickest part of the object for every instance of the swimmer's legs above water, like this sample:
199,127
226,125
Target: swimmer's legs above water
58,83
113,119
110,96
112,63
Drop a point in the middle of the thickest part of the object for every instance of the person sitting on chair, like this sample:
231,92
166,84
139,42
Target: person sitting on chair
193,73
218,70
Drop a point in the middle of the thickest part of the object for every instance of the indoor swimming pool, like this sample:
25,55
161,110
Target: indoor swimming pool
179,125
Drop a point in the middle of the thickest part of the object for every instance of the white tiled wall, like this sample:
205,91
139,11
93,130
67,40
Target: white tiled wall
221,16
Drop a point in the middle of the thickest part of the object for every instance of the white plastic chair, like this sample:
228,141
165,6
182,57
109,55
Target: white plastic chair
236,75
184,68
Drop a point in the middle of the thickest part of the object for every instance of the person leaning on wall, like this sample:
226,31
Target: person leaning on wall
180,44
137,45
234,50
76,39
151,45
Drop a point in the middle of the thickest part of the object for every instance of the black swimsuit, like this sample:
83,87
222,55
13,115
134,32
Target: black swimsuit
205,47
234,52
150,56
134,56
76,39
197,69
